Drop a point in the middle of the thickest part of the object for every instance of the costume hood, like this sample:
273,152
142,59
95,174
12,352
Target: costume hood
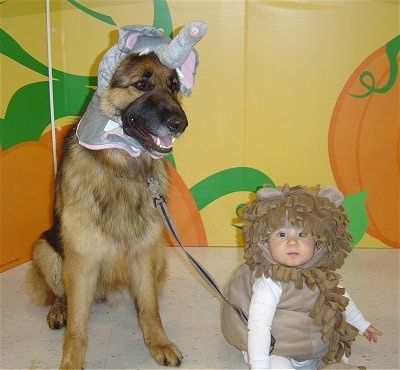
314,210
178,53
95,131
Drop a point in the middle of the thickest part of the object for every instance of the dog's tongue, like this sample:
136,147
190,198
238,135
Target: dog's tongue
165,142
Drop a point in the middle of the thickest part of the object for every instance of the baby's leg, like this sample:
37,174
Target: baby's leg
305,365
245,357
280,362
277,362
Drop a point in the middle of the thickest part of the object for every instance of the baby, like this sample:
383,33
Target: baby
299,317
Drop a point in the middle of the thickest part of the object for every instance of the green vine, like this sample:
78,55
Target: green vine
367,78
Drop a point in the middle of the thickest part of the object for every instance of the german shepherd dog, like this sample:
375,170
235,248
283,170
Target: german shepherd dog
107,233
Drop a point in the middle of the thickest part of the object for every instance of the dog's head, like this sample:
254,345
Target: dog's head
136,105
139,81
144,93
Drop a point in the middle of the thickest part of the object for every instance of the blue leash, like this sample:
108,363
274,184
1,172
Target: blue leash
161,205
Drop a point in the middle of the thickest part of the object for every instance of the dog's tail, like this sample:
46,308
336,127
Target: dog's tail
44,276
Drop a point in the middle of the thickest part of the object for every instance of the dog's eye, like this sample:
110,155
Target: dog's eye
141,85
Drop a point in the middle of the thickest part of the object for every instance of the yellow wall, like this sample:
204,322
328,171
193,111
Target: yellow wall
270,74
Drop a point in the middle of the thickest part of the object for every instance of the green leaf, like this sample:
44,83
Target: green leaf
162,16
227,181
354,205
101,17
28,111
10,48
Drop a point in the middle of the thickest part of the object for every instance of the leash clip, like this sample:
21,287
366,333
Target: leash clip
154,188
158,199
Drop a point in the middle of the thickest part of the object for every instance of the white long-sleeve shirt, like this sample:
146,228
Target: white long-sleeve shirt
263,305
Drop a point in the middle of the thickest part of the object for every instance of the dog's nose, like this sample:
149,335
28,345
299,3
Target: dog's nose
177,124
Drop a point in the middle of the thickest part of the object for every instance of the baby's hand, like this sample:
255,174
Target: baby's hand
372,334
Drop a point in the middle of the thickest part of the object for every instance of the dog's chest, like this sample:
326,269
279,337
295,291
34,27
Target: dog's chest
125,202
107,193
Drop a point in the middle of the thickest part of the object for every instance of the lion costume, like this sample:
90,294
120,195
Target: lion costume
311,299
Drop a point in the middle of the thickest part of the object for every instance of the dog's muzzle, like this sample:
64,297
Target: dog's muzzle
155,120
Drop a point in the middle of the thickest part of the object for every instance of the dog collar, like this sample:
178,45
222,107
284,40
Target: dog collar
97,132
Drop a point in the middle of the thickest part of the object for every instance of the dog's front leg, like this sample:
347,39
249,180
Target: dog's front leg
80,279
145,293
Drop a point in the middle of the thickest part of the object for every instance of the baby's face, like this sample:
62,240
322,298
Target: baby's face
289,247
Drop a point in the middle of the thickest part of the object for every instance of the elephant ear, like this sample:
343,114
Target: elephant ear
132,39
140,39
187,73
333,194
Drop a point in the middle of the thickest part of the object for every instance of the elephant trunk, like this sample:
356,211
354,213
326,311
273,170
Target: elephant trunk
174,54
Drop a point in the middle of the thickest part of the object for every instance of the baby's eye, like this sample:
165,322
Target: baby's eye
302,235
281,234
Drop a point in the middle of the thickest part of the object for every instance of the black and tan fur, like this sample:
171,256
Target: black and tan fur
107,235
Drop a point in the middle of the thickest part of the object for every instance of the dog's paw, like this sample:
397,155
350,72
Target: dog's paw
57,316
167,354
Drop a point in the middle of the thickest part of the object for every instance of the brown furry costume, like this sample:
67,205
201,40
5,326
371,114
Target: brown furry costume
319,213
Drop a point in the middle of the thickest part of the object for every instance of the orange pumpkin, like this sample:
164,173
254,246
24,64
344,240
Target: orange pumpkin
27,179
184,213
364,141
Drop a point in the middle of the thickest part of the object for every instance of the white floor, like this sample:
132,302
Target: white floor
190,314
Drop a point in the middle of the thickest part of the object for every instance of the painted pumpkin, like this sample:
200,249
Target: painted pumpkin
184,213
364,141
27,180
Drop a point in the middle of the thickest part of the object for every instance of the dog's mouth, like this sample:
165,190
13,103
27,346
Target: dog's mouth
155,120
149,141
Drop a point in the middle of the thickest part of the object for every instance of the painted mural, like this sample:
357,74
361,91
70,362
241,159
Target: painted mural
364,139
220,164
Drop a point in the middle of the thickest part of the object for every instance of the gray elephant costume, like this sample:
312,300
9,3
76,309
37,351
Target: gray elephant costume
319,213
96,131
